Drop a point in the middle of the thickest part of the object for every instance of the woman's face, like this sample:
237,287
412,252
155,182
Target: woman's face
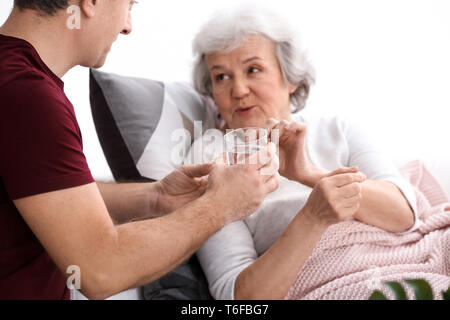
247,84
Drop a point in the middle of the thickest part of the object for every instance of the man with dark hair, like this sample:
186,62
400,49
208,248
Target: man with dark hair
47,6
53,215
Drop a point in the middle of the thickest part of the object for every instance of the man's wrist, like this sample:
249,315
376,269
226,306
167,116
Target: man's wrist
155,199
215,212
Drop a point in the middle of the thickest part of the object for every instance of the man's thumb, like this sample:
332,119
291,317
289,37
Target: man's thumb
197,170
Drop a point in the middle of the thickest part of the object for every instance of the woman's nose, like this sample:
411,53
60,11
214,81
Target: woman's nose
128,25
240,88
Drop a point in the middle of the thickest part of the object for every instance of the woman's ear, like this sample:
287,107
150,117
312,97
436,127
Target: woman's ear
293,88
88,7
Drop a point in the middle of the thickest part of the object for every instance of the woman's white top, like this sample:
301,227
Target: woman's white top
331,143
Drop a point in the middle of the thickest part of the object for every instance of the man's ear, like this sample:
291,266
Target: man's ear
88,7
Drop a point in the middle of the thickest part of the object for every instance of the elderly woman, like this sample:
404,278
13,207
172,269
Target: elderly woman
251,64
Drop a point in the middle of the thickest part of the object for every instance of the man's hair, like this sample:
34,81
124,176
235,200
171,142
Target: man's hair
49,7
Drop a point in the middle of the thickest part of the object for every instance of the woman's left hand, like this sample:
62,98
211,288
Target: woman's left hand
294,161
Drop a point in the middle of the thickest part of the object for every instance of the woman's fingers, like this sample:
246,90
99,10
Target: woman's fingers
272,167
278,131
272,183
350,190
276,128
342,170
270,124
296,127
352,202
339,195
347,194
343,179
282,125
263,157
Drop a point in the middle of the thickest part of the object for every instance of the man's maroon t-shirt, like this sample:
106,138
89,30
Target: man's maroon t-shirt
40,151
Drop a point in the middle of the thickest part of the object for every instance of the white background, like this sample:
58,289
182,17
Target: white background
384,63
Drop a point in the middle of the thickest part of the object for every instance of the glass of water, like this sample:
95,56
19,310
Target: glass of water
241,143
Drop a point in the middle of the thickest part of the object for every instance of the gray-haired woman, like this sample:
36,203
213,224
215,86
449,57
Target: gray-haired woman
250,62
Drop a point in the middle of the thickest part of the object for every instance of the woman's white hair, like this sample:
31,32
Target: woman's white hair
227,31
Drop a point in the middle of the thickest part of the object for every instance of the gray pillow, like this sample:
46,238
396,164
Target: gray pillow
134,119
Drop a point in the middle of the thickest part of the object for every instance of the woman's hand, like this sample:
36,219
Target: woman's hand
294,162
336,197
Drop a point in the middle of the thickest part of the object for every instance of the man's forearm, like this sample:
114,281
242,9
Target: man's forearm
146,250
129,201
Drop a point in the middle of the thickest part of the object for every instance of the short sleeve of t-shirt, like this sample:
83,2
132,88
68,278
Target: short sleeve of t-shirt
40,140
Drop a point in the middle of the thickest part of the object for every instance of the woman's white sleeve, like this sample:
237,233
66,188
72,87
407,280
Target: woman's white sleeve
224,256
368,154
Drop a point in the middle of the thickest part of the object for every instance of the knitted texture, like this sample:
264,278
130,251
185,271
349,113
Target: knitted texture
353,259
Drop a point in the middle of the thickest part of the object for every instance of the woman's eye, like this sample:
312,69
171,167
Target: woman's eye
254,70
221,77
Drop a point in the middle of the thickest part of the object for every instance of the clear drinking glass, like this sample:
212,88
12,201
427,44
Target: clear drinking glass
241,143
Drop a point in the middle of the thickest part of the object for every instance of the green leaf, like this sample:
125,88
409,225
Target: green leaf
398,290
377,295
422,289
446,294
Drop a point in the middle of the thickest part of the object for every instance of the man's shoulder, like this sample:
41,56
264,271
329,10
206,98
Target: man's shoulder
31,102
32,91
27,81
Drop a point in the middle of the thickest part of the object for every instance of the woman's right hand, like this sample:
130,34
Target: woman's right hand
336,197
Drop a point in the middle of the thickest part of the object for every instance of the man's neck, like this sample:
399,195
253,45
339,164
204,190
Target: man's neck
50,37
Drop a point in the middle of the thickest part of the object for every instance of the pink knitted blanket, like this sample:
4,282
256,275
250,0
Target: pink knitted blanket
353,259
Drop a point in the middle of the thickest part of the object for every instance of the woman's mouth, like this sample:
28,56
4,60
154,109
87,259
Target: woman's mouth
245,110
